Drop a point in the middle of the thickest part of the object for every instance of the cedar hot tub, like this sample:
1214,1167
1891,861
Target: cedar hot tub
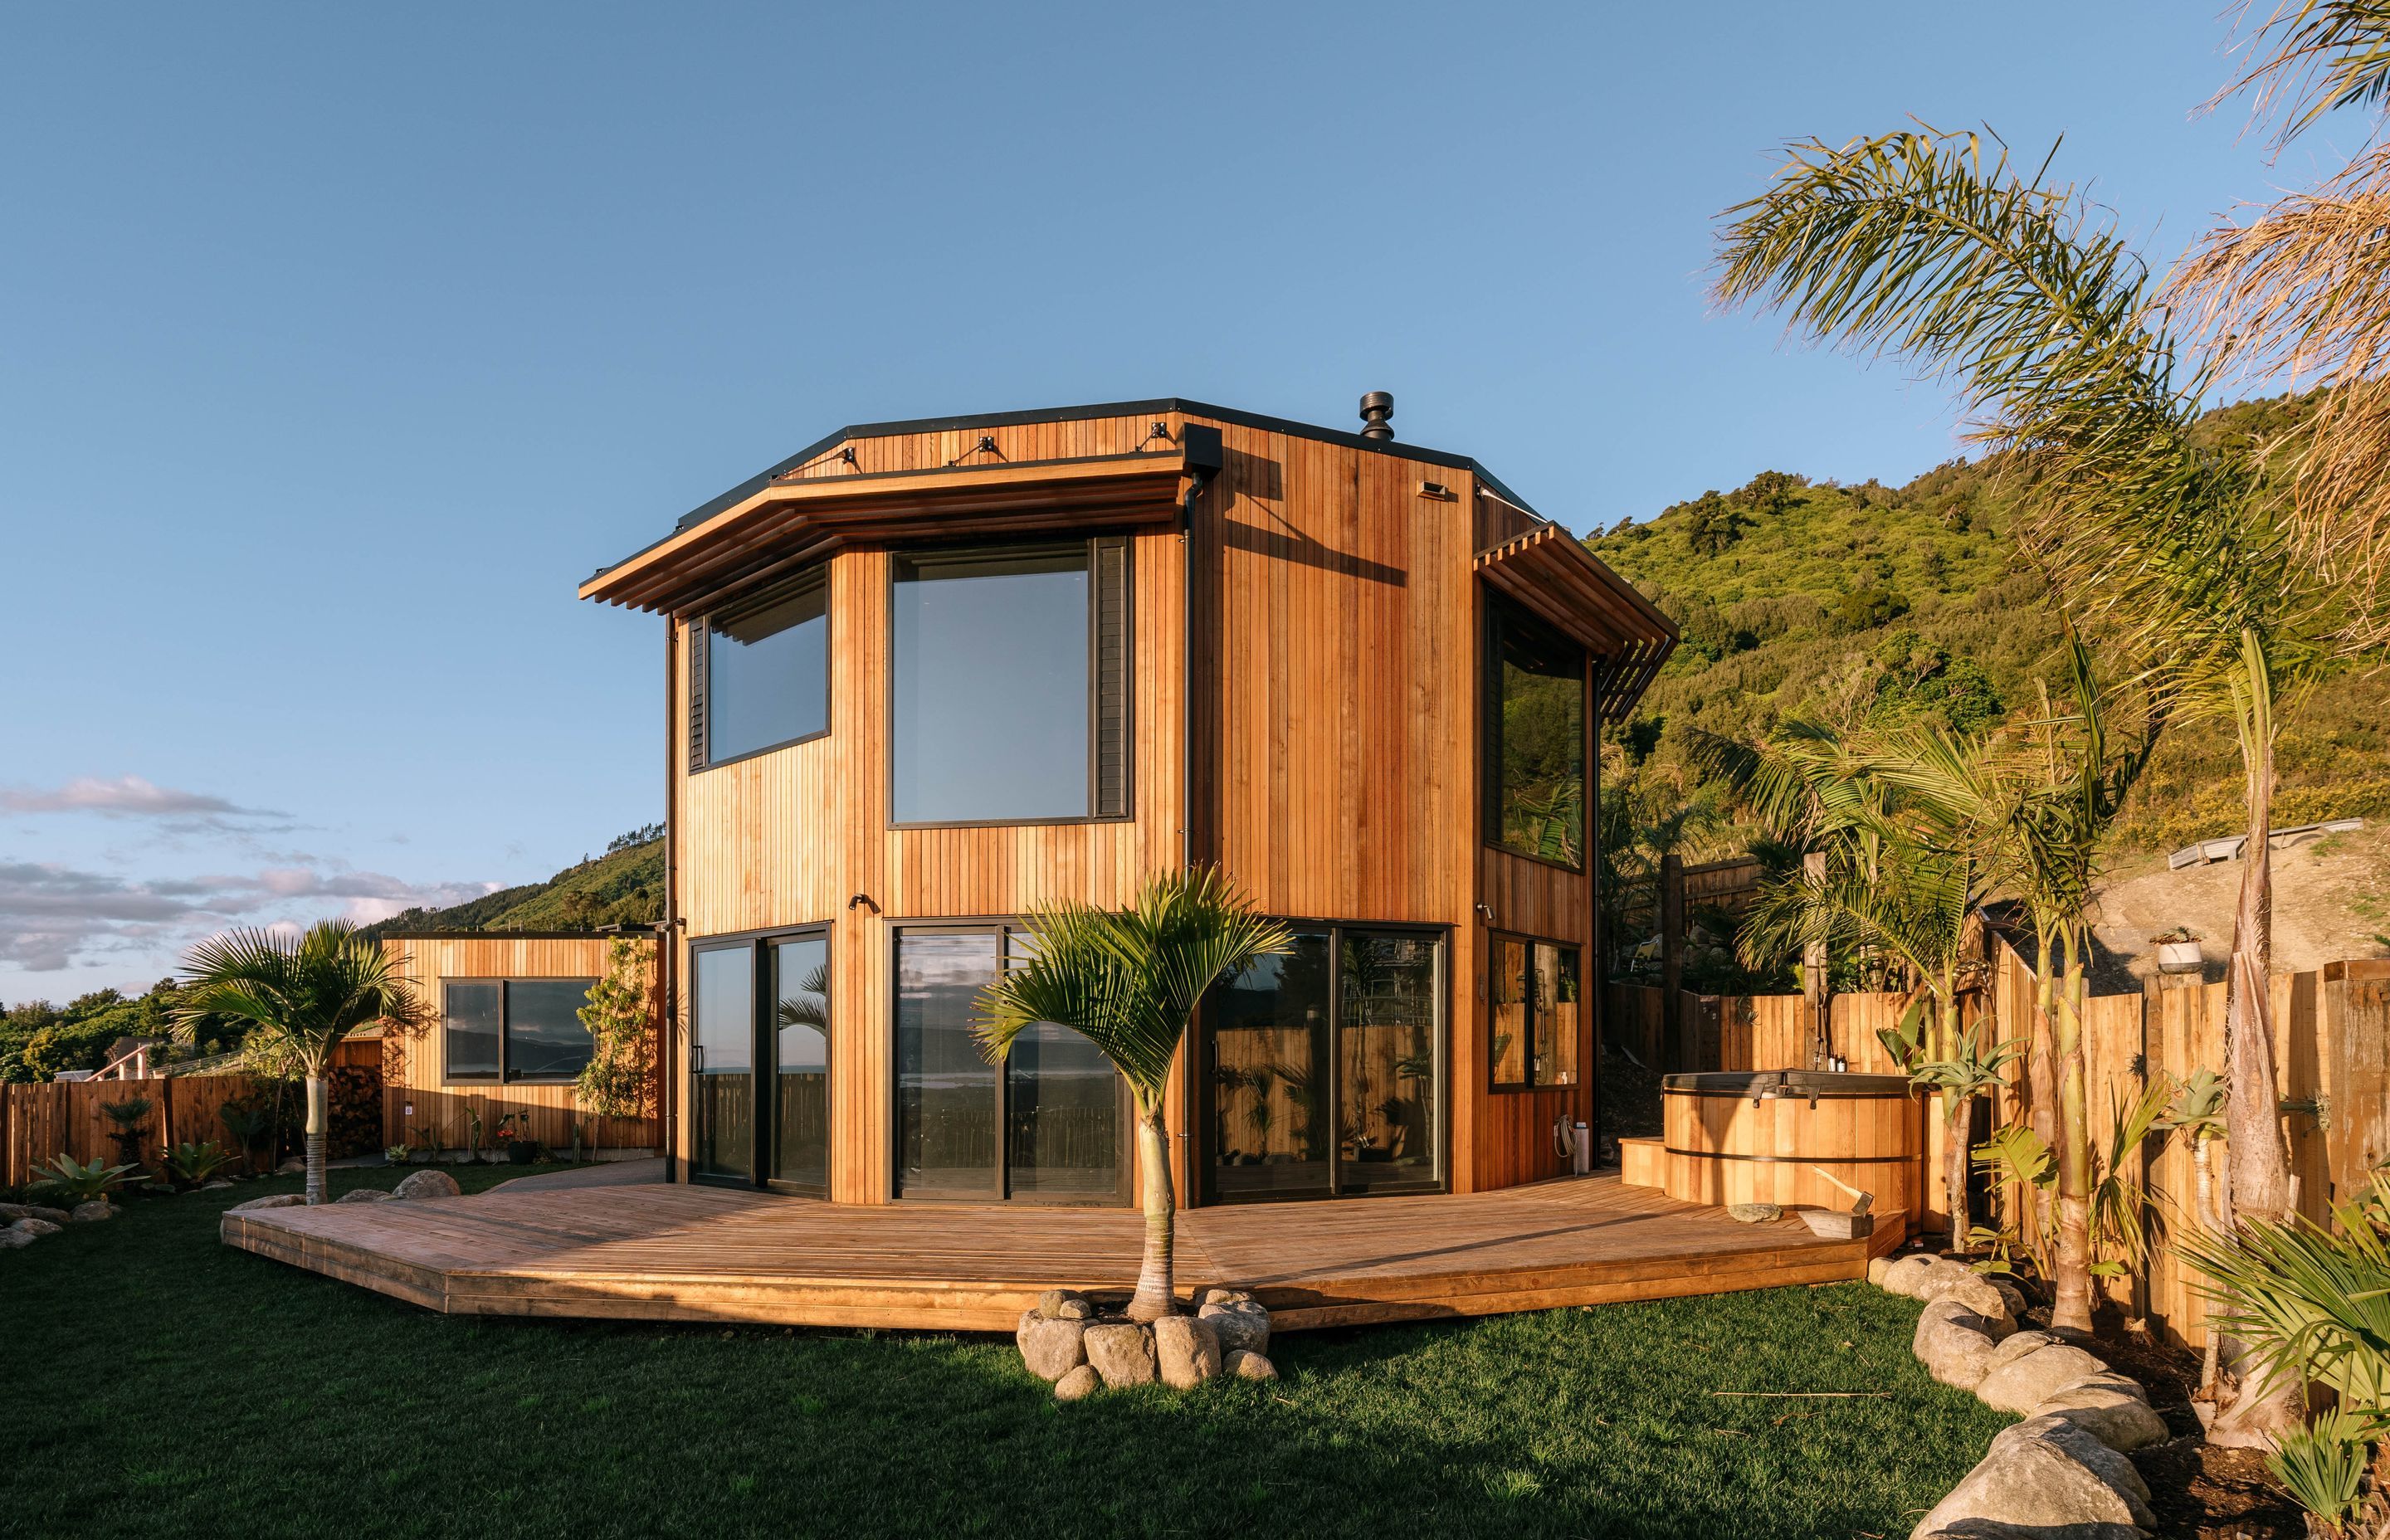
1778,1135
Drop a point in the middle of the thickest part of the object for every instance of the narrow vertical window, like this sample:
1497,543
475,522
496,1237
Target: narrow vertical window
1535,738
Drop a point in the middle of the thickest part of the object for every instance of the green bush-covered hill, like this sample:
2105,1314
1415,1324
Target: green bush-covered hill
624,886
1850,602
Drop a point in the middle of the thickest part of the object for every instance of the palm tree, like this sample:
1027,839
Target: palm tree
304,995
1911,244
1129,982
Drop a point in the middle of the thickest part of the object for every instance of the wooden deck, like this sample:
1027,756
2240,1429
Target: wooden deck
692,1253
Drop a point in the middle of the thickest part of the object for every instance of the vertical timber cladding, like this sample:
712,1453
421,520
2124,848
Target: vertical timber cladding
1513,1135
800,835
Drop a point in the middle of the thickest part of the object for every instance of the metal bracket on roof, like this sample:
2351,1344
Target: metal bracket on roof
845,457
1160,429
986,446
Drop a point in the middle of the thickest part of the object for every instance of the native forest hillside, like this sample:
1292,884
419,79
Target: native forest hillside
1854,603
624,886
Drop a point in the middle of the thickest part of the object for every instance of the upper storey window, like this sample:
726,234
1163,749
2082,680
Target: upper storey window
1535,738
759,676
1010,697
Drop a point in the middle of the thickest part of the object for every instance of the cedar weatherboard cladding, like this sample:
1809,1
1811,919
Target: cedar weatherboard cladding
1111,678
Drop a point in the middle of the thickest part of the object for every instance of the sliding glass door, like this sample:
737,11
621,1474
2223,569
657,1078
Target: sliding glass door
1046,1125
1322,1070
759,1062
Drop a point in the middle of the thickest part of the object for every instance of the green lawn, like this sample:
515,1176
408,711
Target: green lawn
155,1384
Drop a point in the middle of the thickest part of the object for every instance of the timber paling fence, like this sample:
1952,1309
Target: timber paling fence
40,1123
2331,1063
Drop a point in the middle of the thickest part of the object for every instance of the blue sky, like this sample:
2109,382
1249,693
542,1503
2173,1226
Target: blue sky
338,344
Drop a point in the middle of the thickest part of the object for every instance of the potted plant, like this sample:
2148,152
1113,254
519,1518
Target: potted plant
2178,951
397,1155
514,1137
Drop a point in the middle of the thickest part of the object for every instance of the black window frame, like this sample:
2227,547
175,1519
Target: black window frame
505,983
1502,614
1202,1168
763,1051
1535,1017
700,668
1109,800
999,1194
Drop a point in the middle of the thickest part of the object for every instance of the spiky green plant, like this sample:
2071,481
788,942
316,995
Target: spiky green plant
2197,1113
305,993
2322,1465
78,1182
1129,982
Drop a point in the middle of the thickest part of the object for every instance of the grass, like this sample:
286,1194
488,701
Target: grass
158,1383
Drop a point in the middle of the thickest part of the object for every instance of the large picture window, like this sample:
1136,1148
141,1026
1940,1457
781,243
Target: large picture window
1009,702
1537,1012
514,1029
1535,738
759,676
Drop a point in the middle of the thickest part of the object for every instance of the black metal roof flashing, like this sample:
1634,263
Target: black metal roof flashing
819,447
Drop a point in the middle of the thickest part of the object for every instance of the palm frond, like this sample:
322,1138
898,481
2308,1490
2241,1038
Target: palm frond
301,993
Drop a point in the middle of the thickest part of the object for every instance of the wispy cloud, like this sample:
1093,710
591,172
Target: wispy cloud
125,797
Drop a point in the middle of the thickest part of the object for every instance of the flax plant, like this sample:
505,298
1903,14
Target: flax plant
1129,982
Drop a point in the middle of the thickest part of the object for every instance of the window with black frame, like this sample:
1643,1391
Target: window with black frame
512,1030
1536,996
760,674
1009,689
1535,737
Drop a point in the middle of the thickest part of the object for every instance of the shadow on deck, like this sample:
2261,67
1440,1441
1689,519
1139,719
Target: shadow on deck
693,1254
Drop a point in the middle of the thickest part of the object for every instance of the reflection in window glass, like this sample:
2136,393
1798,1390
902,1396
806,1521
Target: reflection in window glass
801,1062
767,672
1386,1069
1513,1039
469,1028
1557,1015
1536,739
1062,1120
945,1090
545,1037
1271,1132
990,704
723,1080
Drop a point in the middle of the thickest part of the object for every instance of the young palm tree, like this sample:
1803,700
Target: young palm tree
1129,982
304,995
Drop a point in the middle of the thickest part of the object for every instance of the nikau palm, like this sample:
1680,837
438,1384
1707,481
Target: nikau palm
304,995
1129,982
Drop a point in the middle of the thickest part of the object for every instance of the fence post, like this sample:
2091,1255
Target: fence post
1672,961
1813,977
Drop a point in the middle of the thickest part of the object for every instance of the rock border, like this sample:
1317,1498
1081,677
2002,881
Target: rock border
2063,1469
1067,1342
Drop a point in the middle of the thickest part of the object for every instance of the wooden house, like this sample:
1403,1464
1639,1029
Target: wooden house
504,1038
922,676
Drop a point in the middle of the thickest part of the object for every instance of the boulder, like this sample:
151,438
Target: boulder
1941,1276
36,1228
2122,1421
295,1167
1120,1351
1242,1323
2047,1477
1877,1268
1061,1304
1078,1385
99,1208
1990,1529
2010,1294
2109,1380
362,1195
1218,1293
426,1182
215,1186
1905,1273
1953,1344
1249,1365
2023,1383
2016,1346
1755,1213
32,1211
271,1200
1188,1348
1975,1292
1051,1348
12,1238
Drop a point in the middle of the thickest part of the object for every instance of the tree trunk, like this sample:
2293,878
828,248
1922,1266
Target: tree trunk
2071,1310
1958,1112
317,1121
1155,1296
2204,1175
2260,1170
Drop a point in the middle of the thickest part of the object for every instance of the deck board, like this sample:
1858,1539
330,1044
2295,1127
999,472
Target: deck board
664,1252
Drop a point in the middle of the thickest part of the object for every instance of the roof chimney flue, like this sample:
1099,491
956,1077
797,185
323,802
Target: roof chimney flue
1376,408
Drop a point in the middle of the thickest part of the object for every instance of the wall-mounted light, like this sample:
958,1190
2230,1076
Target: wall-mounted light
862,901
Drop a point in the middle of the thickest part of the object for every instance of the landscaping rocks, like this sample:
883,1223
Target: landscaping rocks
98,1209
36,1228
1051,1348
1121,1351
2010,1294
1078,1385
364,1195
2052,1477
2120,1419
1188,1348
32,1211
1755,1213
1242,1323
272,1201
292,1167
1955,1345
1249,1365
425,1184
1060,1304
12,1238
1906,1273
212,1187
2023,1383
